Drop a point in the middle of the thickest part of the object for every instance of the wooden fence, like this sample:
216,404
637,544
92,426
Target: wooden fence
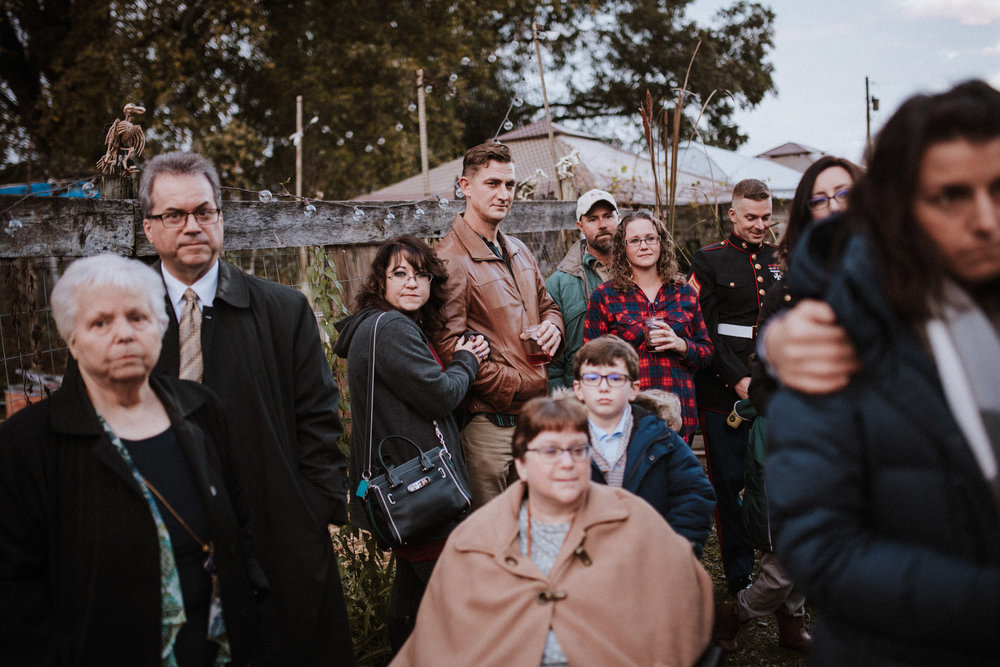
43,234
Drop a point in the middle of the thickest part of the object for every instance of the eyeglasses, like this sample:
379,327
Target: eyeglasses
639,240
400,276
203,216
552,454
614,379
823,201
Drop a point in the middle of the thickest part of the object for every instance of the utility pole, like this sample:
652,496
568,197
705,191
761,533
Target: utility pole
545,100
298,146
299,136
422,121
871,104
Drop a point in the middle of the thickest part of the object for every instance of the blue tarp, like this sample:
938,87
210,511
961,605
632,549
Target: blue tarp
45,189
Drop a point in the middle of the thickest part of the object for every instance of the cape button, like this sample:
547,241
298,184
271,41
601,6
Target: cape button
550,596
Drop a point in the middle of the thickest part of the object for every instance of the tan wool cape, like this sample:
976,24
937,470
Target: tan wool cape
625,590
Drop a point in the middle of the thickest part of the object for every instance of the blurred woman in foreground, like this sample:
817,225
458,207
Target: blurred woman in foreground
560,570
118,542
885,496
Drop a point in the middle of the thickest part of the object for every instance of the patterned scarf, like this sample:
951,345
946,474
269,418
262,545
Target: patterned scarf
171,599
614,471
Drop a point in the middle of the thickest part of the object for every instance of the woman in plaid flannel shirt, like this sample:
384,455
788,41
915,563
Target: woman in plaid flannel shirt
646,283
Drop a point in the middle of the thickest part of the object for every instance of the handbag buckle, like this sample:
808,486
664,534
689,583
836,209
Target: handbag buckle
419,484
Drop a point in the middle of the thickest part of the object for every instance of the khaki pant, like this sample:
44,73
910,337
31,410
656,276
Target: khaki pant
771,591
488,458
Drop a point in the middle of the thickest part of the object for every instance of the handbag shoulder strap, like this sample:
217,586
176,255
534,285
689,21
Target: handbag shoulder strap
367,473
369,450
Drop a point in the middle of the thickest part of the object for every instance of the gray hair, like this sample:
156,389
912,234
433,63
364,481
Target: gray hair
102,271
177,162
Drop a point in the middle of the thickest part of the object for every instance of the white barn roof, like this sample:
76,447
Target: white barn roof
706,174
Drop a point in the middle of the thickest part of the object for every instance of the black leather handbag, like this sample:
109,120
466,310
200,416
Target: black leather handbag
412,500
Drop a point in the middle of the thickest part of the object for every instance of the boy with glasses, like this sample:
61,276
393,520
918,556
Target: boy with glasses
633,448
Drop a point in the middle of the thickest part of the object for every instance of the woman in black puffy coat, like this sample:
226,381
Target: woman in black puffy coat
885,497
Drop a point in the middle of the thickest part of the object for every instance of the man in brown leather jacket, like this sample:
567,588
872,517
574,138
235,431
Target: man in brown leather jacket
494,287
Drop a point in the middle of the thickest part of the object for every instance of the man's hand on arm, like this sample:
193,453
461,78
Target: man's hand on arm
809,351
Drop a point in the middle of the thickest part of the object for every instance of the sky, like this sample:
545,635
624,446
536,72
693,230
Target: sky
824,50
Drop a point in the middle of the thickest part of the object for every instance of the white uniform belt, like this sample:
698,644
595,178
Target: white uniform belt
736,330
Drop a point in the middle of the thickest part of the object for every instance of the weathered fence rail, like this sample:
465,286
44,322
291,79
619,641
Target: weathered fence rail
43,234
68,227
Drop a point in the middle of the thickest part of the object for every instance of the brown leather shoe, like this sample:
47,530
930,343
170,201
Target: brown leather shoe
727,624
792,632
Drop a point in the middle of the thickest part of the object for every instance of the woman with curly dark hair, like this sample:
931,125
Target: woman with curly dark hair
648,304
409,392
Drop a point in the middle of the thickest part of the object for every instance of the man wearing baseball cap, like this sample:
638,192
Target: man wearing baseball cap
585,266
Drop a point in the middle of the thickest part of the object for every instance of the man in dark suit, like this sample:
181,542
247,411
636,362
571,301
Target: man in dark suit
256,344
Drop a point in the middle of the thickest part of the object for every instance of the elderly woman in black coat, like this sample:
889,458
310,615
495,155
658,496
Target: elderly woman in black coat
412,394
119,541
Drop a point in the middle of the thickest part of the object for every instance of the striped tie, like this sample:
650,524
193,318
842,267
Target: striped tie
190,337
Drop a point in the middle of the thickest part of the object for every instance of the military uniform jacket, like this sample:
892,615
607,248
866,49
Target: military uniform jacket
731,278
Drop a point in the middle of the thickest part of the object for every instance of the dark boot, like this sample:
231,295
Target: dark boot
792,632
737,584
727,624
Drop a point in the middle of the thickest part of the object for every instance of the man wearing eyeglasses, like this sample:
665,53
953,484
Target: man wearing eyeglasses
585,266
494,288
256,344
731,278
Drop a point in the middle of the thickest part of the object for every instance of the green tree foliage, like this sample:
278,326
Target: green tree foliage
68,67
221,76
640,45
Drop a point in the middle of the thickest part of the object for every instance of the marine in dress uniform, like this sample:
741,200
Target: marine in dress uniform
732,278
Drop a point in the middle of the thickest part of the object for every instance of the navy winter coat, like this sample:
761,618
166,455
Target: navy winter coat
661,469
880,511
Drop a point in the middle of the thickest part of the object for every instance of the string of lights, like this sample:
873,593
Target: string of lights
56,188
359,214
89,188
